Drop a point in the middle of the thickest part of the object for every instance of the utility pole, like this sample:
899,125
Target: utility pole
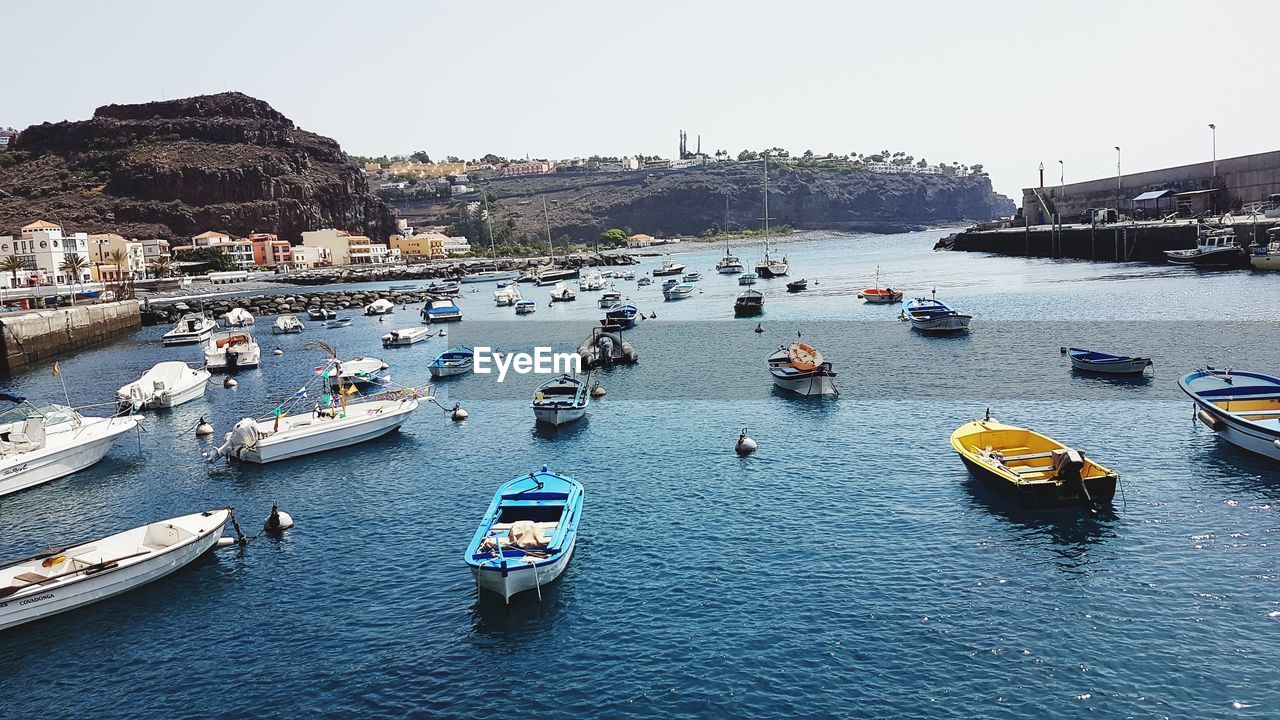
1213,132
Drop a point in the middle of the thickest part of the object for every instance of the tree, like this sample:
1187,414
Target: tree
12,264
73,265
491,159
162,267
216,258
453,159
421,156
613,238
120,259
748,155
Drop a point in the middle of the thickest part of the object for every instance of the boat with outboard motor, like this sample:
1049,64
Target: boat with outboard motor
605,346
679,291
1267,257
668,268
231,350
507,295
72,576
40,442
381,306
238,317
877,295
358,370
402,337
933,315
748,304
1100,362
287,324
165,385
319,313
528,534
800,368
443,288
610,298
562,293
451,362
439,310
561,400
692,277
190,329
1242,407
1214,248
1034,469
594,281
526,307
337,322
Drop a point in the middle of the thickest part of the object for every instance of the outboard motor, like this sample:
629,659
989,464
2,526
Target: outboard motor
244,434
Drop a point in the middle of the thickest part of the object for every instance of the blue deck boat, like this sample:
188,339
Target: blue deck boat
1242,407
933,315
457,361
527,536
441,310
622,315
1100,362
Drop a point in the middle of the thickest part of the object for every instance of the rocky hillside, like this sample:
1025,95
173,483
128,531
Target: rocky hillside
691,201
175,168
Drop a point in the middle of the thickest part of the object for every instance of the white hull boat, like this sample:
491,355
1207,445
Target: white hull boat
451,363
189,330
490,276
561,400
679,291
519,576
45,442
238,317
506,296
594,281
165,385
287,324
355,371
1242,407
380,307
944,323
231,350
800,368
67,578
406,336
291,436
526,307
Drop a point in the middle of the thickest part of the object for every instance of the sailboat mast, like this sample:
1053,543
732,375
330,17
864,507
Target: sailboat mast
766,206
551,251
493,247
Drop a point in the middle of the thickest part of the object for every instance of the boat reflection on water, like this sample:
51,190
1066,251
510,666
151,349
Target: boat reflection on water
525,620
547,431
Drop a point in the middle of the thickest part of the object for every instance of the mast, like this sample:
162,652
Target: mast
551,251
766,207
493,247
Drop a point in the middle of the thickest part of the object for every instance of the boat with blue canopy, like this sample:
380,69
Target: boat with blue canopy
528,534
441,310
933,315
1100,362
455,361
1242,407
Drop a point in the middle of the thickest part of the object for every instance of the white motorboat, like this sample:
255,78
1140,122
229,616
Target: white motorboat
626,275
747,279
669,268
356,371
319,313
561,293
286,324
561,400
381,306
231,350
238,317
526,307
610,298
679,291
1214,248
800,368
592,282
729,264
1267,258
550,274
507,296
190,329
43,442
490,276
338,322
406,336
165,385
645,280
66,578
440,310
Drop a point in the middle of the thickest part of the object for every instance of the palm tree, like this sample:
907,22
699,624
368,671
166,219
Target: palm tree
162,267
73,265
120,259
12,264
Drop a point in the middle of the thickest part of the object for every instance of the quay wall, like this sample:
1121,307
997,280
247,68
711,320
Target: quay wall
1139,242
34,336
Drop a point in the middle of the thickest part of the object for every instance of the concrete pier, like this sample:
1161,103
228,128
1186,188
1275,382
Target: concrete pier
34,336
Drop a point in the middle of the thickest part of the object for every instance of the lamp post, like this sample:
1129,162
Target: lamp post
1062,177
1213,139
1117,167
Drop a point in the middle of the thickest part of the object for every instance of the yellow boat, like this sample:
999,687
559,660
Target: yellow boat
1036,470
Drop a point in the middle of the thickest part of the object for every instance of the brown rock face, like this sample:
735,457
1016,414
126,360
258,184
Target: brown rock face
173,169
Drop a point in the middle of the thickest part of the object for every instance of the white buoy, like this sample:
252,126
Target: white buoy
225,542
597,391
229,383
278,520
459,414
203,428
277,351
745,445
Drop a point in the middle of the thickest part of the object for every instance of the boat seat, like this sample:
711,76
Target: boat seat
1256,413
543,526
27,578
1028,456
1032,469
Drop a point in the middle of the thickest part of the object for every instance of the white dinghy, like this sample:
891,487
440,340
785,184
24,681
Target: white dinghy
381,306
238,317
406,336
67,578
287,324
190,329
165,385
43,442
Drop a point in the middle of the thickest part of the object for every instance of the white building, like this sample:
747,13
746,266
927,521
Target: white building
307,257
456,246
44,249
241,251
153,249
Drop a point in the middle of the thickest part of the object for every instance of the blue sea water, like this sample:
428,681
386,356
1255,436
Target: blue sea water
851,568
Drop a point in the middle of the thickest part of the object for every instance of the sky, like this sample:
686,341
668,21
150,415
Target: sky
1009,85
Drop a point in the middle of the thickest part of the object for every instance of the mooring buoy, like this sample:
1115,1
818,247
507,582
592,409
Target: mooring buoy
759,327
277,351
597,390
459,414
278,520
745,445
229,383
203,428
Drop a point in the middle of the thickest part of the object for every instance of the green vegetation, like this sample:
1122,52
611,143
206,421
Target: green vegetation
216,258
613,238
716,234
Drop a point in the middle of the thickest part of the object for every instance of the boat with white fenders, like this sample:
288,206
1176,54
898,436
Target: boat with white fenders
800,368
66,578
40,442
528,534
561,400
190,329
1242,407
231,350
165,385
402,337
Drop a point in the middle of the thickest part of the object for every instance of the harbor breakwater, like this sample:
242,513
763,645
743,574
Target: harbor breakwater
445,270
266,305
34,336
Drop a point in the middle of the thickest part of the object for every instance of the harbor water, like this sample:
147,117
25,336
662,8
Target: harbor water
850,568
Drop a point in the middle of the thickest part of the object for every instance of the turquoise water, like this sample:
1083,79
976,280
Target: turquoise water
850,568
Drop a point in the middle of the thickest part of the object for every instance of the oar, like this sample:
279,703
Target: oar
96,567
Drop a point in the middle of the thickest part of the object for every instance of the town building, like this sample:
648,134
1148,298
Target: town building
240,251
270,251
44,249
305,258
102,249
427,245
533,167
344,248
154,249
455,246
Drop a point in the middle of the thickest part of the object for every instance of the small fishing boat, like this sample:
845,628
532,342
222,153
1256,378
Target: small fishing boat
729,264
286,324
1242,407
165,385
561,400
621,316
877,295
448,289
1214,248
337,322
679,292
231,350
800,368
670,283
610,298
381,306
644,280
238,317
356,371
562,293
796,286
455,361
40,442
410,287
490,276
439,310
1034,469
526,307
749,304
933,315
190,329
668,268
625,275
592,282
69,577
507,295
606,347
317,313
551,275
402,337
1099,362
1268,257
692,277
747,279
528,533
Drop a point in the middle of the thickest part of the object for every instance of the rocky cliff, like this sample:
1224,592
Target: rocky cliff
691,201
176,168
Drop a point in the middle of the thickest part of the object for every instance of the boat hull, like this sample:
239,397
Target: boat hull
187,338
1132,366
370,427
1265,262
1240,434
772,271
59,598
1044,495
445,371
558,415
519,576
1224,257
942,324
25,470
808,385
748,310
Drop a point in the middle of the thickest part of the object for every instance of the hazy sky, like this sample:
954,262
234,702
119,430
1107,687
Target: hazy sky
1006,84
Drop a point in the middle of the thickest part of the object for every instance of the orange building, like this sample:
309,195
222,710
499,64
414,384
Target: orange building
269,250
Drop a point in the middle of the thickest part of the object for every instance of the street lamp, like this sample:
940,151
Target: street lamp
1213,133
1117,167
1062,177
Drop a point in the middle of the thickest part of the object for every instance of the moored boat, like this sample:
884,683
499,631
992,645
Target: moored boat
800,368
319,313
729,264
877,295
527,535
526,307
562,293
561,400
506,295
356,371
441,310
610,298
40,442
592,282
402,337
231,350
550,275
1268,257
796,286
165,385
621,315
747,279
286,324
381,306
1034,469
679,291
337,322
451,362
238,317
933,315
668,268
1100,362
444,288
748,304
692,277
190,328
1242,407
769,266
66,578
490,276
646,280
1214,248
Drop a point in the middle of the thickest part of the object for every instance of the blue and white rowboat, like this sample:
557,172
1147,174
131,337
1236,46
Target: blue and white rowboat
933,315
679,292
527,536
449,363
561,400
1242,407
1098,362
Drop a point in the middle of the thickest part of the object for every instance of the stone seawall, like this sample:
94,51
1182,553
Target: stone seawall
34,336
1139,242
